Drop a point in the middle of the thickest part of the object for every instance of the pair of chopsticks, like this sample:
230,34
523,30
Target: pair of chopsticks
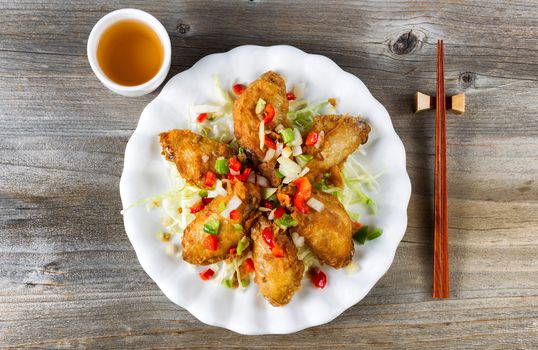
440,242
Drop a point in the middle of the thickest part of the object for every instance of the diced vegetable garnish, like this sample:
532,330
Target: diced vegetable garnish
232,251
234,215
268,205
296,150
286,152
222,206
304,186
315,204
212,226
312,138
269,142
268,113
287,135
268,237
261,134
360,235
233,204
238,227
286,221
234,164
217,190
260,106
210,179
319,279
302,159
206,200
245,282
279,174
279,212
207,274
290,96
221,166
283,199
262,181
202,193
269,155
201,117
227,283
376,232
268,192
299,201
243,244
211,242
297,138
245,175
238,88
249,265
196,208
288,167
279,127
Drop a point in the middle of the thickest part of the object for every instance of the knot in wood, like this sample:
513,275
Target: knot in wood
183,28
405,43
467,79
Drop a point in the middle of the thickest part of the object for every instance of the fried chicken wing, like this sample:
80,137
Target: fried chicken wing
272,89
195,250
329,233
278,278
193,154
342,136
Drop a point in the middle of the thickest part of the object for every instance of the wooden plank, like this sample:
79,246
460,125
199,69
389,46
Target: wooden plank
68,275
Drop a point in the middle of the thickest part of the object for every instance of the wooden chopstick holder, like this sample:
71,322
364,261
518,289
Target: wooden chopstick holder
424,102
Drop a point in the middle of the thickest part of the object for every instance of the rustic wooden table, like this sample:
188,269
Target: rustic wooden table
69,277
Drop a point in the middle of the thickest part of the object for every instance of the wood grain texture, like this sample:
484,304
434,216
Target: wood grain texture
68,275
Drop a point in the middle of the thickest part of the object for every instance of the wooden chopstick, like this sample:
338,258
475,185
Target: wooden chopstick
440,255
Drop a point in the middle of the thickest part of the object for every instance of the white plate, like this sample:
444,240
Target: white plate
145,174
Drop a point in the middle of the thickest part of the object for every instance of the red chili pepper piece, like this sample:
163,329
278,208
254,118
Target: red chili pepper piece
206,200
210,179
245,174
277,251
197,207
303,186
238,88
268,113
312,138
356,225
268,205
234,164
249,265
207,274
201,117
268,237
319,279
211,242
269,142
232,177
233,251
290,96
299,202
234,215
279,212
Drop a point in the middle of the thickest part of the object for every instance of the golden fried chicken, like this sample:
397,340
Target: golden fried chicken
193,154
329,233
201,249
272,89
278,277
342,135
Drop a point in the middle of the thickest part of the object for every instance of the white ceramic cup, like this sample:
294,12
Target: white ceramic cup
153,23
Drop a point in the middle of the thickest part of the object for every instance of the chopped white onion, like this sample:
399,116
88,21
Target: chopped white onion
262,181
234,172
205,158
297,240
296,150
288,167
264,209
279,147
268,192
304,171
320,139
233,204
218,191
315,204
298,140
269,155
287,180
271,215
279,127
251,178
286,152
261,134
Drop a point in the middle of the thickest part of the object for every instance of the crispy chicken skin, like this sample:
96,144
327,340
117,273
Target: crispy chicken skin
228,236
343,135
272,88
193,154
278,278
329,233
